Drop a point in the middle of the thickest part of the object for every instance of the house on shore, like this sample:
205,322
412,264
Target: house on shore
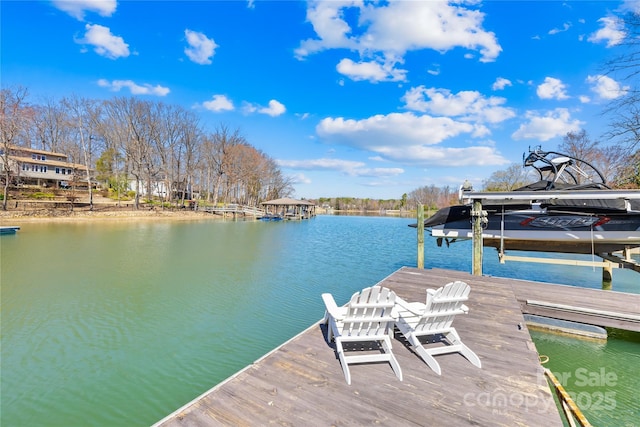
42,168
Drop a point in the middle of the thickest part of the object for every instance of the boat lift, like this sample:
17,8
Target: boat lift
610,260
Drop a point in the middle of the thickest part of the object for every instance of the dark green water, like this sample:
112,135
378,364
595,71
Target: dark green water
120,323
602,378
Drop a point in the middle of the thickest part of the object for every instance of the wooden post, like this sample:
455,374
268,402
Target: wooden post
477,220
420,229
607,277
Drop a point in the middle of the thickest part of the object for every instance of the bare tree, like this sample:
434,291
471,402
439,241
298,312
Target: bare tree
132,135
13,122
509,179
276,184
150,144
432,197
115,134
619,169
624,127
222,140
85,115
580,146
50,130
612,161
191,138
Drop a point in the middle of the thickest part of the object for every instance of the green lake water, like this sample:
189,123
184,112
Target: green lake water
120,323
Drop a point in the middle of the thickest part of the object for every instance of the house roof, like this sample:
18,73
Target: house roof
36,151
286,201
48,162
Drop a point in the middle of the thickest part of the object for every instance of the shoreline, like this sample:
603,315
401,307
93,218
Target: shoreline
10,217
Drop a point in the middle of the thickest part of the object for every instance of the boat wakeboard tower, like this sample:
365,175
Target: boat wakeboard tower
570,208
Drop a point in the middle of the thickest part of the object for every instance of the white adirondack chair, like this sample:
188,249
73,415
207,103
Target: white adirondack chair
367,319
434,319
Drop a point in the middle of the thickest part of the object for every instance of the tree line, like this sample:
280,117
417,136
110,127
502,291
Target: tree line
129,142
152,146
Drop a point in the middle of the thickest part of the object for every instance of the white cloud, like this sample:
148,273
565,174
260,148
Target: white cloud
501,83
612,32
384,32
299,178
105,43
372,71
395,129
584,99
134,88
552,88
322,164
407,138
77,8
466,105
631,6
447,156
379,172
274,109
606,88
564,28
347,167
434,71
219,103
555,123
201,49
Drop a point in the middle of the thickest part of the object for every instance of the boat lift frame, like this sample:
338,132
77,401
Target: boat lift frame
479,218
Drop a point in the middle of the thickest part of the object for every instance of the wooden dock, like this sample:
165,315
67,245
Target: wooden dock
592,306
233,209
301,382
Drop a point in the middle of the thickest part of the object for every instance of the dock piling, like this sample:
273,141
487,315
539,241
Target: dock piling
478,217
420,229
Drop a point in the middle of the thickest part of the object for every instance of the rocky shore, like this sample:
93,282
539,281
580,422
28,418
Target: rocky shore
101,213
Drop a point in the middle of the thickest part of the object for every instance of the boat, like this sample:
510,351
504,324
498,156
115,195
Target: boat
570,209
271,217
9,229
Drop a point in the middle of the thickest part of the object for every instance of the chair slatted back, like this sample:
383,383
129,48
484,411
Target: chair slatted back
443,305
369,312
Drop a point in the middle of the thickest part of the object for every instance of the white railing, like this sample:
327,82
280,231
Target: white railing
234,209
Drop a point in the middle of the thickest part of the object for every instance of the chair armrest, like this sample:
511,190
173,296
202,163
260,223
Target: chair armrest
331,306
408,306
464,308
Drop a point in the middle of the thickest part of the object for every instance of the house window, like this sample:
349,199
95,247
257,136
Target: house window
34,157
68,171
64,171
34,168
57,170
43,169
44,158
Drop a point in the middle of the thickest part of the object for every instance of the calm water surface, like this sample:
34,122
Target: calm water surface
120,323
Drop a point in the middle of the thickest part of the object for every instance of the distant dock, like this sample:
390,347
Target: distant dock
301,382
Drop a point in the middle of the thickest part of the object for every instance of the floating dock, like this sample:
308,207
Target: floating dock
301,382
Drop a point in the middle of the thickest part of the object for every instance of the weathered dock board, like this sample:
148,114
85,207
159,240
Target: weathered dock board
592,306
301,383
596,307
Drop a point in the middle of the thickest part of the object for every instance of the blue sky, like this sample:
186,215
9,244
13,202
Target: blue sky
351,98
